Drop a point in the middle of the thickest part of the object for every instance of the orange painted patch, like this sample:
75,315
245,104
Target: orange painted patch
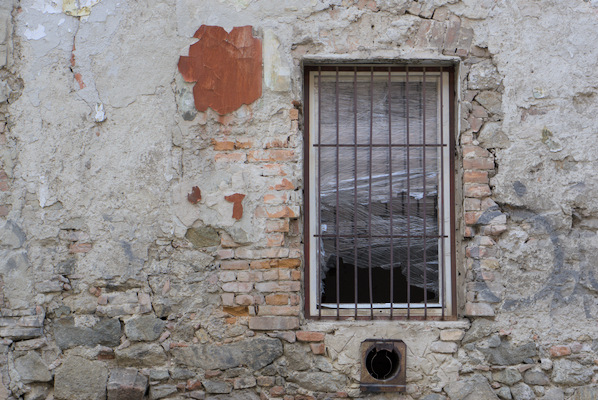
226,66
236,199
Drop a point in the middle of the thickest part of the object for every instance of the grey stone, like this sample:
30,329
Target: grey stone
504,393
203,237
483,76
474,388
434,396
480,328
11,235
255,353
490,100
141,355
161,391
506,354
571,372
212,386
554,394
37,392
522,392
80,379
181,373
236,395
126,384
144,328
21,328
244,382
298,356
586,393
536,378
319,381
159,374
491,136
31,368
105,332
507,376
444,347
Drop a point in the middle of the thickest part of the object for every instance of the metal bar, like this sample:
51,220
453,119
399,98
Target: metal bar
376,68
319,219
453,127
370,192
356,276
408,198
337,227
425,198
441,264
307,194
331,235
379,145
392,281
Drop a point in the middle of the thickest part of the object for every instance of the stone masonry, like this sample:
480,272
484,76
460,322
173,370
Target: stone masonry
149,250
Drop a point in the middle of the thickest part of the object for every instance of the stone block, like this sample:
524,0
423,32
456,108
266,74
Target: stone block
126,384
571,372
586,393
218,387
476,387
307,336
105,332
319,381
483,76
256,353
161,391
141,355
203,237
536,378
508,376
144,328
522,392
32,368
506,354
444,347
80,379
452,335
273,323
479,310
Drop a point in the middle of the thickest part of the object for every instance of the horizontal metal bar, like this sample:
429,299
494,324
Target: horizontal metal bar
367,145
332,235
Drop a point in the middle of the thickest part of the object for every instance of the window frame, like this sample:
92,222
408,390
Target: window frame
364,311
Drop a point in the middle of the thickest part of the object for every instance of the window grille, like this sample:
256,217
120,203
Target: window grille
379,199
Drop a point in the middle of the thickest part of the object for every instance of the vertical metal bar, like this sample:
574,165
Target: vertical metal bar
441,264
392,281
307,149
337,227
319,219
356,276
370,192
452,147
425,195
408,198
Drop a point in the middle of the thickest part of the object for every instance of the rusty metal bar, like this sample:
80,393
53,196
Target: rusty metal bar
392,267
425,196
376,145
408,197
356,276
319,219
441,263
370,192
337,224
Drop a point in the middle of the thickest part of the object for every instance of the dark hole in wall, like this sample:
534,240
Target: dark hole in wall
382,364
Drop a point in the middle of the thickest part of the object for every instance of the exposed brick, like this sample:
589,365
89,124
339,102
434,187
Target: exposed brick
244,300
277,299
273,323
273,170
243,144
277,212
475,177
249,276
289,263
478,163
237,287
275,199
471,217
559,351
285,185
278,310
223,145
295,275
277,225
275,239
234,264
310,336
289,286
293,113
277,144
269,252
472,204
271,155
227,276
225,254
228,299
79,247
230,157
477,190
238,311
270,275
318,348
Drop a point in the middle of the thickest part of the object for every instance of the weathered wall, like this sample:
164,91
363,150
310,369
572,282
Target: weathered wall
113,283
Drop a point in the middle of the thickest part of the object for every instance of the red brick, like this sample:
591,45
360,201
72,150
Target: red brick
318,348
224,145
293,113
477,190
470,151
475,177
238,311
559,351
309,336
277,299
276,212
243,144
277,144
275,239
478,163
79,247
277,225
273,323
285,185
244,300
289,263
273,170
236,264
275,199
296,275
278,310
283,286
230,157
271,155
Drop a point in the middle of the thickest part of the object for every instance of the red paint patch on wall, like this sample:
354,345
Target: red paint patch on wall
236,199
226,66
79,80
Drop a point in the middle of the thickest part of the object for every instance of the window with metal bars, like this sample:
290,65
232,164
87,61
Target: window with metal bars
379,212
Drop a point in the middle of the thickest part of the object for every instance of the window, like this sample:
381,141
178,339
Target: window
379,199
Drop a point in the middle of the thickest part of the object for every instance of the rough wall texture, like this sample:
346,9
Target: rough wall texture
120,280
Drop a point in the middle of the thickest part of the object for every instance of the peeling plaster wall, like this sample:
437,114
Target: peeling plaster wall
114,284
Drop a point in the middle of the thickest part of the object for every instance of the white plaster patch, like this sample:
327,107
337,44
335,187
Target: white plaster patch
277,75
238,4
35,34
48,6
100,115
